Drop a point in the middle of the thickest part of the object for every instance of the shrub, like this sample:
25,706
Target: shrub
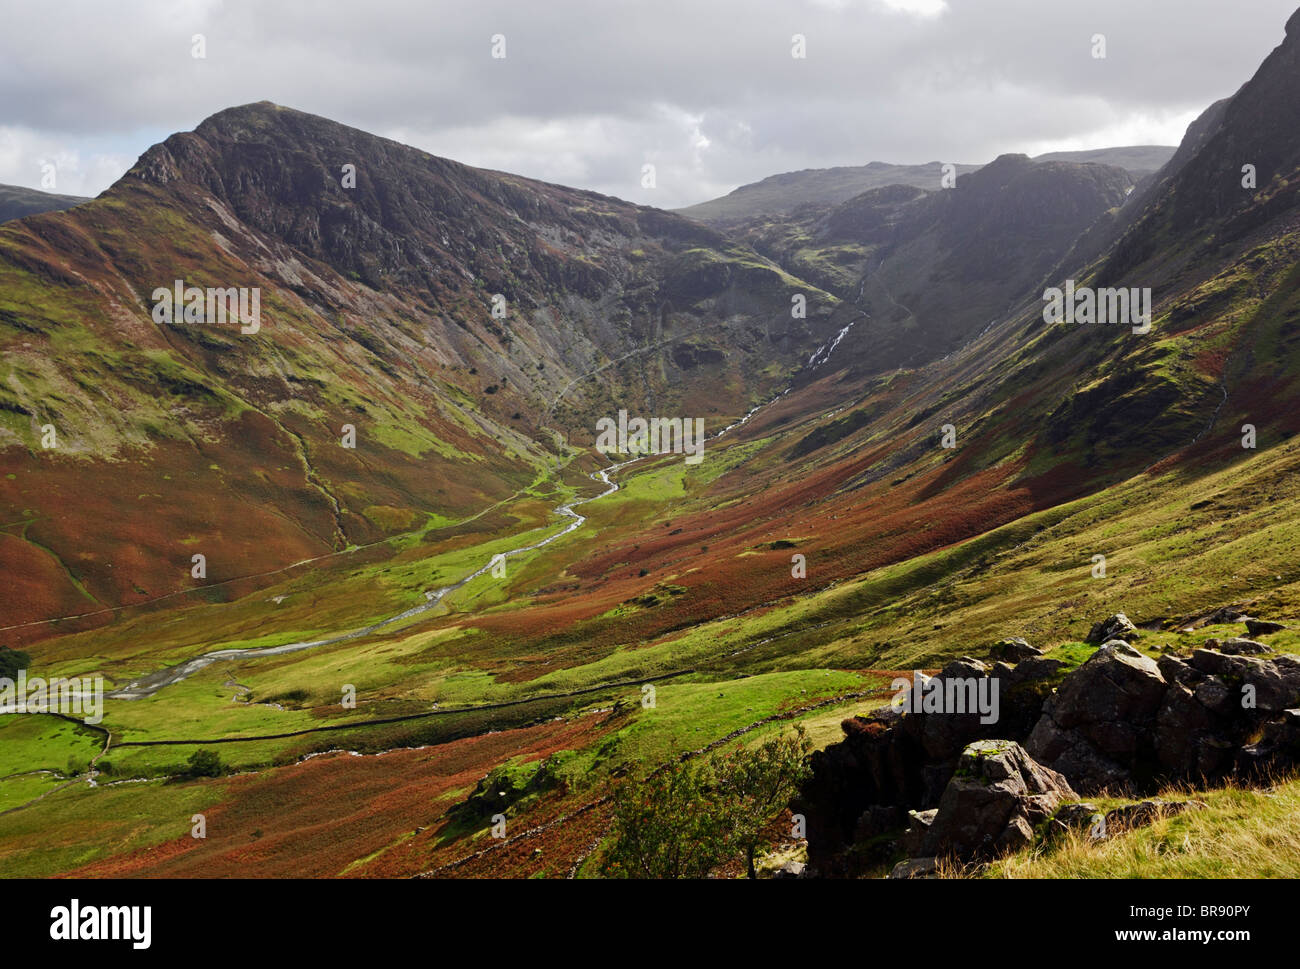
205,763
691,816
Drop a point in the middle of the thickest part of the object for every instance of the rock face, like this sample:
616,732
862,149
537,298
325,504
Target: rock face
996,798
1121,722
1098,728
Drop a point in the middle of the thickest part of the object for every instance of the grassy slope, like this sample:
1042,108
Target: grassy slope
1241,833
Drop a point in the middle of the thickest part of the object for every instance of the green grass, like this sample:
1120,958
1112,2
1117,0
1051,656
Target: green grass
32,742
82,824
690,715
1242,833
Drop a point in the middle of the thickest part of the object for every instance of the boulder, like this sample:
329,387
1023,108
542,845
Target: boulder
1176,670
1146,812
1225,614
915,868
1013,650
1078,817
993,802
1118,626
1098,727
914,837
1236,646
1214,694
1275,682
1081,815
1181,724
1276,751
1034,668
1261,627
943,735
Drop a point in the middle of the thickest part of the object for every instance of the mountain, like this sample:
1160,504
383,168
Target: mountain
1203,192
16,202
377,311
1138,160
788,192
930,269
785,194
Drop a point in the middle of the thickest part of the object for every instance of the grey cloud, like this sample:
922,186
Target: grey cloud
590,91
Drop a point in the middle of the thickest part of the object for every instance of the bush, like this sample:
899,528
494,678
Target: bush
205,763
691,816
664,827
11,661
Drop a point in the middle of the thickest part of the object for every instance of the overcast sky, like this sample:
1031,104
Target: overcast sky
589,92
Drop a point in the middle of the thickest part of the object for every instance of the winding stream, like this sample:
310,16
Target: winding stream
148,685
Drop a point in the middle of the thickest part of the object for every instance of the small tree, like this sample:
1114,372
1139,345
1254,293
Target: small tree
690,816
755,785
664,826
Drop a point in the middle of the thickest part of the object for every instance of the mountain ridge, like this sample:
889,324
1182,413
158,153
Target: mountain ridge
784,193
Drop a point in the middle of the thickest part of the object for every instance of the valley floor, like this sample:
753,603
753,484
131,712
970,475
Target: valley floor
507,673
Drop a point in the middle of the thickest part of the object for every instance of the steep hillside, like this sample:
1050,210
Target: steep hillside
929,270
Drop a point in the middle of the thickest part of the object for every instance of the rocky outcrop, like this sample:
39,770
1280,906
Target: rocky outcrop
1099,727
1237,646
890,763
1120,723
993,803
1013,650
1262,627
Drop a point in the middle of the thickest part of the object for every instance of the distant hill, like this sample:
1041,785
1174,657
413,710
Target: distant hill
16,202
1137,160
782,194
788,192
